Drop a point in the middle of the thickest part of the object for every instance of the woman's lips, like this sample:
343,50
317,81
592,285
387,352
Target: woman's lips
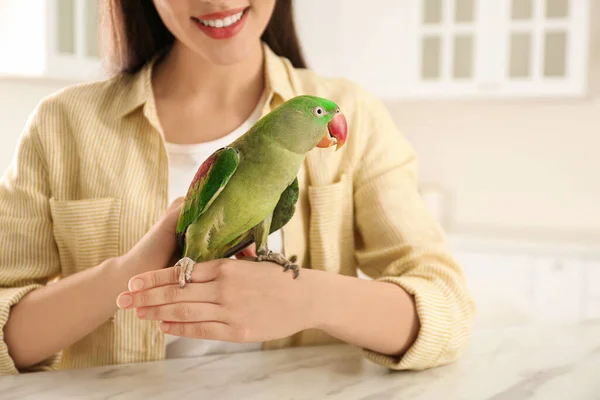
222,14
222,25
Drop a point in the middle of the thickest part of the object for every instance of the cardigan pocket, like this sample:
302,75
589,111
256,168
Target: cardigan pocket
86,231
330,235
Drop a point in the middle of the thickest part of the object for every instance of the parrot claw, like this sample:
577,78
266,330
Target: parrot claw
281,260
186,266
294,268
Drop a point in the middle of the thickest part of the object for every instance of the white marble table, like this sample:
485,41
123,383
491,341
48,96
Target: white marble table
509,364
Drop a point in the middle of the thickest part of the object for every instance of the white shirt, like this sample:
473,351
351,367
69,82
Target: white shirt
184,161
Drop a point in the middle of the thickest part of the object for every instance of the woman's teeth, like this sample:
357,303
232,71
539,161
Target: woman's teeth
222,23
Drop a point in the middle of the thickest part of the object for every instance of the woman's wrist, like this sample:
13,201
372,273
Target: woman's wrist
318,295
380,316
131,264
119,270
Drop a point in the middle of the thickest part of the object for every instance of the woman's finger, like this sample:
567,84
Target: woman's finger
194,292
248,252
202,330
182,312
203,272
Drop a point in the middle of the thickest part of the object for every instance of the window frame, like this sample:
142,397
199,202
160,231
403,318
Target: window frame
491,52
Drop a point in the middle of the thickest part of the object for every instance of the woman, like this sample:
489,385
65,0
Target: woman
86,200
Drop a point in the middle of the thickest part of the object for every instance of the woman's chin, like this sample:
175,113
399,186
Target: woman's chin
226,52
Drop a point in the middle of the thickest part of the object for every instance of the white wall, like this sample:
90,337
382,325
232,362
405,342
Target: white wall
517,165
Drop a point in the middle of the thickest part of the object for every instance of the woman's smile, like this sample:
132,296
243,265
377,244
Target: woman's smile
223,24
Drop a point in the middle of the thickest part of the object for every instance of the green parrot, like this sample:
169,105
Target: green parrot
248,189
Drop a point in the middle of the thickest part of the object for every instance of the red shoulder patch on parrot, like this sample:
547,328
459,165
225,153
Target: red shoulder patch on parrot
203,170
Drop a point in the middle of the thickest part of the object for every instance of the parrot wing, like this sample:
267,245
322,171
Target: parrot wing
285,208
210,179
283,212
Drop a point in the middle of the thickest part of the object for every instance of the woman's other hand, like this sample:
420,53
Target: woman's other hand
156,249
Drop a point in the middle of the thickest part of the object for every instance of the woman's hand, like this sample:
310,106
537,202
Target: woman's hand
228,300
155,250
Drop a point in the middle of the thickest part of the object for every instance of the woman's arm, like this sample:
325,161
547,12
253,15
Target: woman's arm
55,316
374,315
73,307
402,244
357,311
28,257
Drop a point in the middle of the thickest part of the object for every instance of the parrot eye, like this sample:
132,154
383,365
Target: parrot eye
318,111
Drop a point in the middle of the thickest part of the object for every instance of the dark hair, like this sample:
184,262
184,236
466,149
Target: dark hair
132,33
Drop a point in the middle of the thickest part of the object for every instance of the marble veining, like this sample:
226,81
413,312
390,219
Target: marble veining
536,362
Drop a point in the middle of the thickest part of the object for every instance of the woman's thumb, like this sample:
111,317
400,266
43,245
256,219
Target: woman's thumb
176,203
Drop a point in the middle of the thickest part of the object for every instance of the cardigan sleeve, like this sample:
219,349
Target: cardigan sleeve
400,242
28,257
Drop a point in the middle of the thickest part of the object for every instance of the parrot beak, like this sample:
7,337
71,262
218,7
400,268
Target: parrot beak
337,131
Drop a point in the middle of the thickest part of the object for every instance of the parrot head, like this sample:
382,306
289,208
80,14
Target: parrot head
310,121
